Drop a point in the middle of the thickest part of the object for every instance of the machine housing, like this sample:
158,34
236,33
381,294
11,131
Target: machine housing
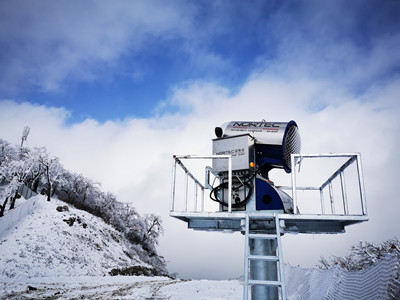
256,148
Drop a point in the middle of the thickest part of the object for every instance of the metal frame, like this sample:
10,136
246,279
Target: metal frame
353,157
177,160
295,223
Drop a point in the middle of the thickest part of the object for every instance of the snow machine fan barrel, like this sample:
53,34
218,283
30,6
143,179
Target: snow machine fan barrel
274,142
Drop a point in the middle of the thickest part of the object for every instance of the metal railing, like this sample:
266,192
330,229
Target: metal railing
296,159
188,174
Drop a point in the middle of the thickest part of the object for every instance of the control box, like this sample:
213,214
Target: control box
241,147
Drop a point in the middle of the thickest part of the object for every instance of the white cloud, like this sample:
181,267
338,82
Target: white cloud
47,43
132,158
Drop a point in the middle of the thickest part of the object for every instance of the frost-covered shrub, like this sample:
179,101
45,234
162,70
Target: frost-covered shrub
133,271
362,256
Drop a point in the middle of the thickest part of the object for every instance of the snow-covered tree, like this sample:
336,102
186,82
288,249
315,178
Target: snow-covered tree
15,167
153,227
52,170
362,255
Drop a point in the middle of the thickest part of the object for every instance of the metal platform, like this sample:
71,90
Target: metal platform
340,209
313,224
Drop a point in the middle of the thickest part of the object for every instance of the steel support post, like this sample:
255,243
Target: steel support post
264,270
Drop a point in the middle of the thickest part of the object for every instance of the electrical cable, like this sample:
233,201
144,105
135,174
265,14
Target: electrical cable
237,184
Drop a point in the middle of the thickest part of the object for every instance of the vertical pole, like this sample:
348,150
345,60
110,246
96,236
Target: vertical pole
186,191
173,186
280,256
344,193
361,185
331,198
263,270
294,190
230,184
321,195
246,260
195,197
202,200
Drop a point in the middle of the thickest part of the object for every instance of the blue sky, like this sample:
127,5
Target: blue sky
118,60
114,89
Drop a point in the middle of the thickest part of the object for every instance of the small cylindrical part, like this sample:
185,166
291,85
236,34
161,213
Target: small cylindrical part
219,131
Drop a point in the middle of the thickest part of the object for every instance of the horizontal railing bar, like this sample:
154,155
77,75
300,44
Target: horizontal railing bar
328,155
263,257
201,156
262,236
265,282
301,188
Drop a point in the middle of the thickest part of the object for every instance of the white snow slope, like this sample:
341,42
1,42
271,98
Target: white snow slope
39,242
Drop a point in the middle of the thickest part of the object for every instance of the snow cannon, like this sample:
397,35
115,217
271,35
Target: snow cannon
256,148
274,142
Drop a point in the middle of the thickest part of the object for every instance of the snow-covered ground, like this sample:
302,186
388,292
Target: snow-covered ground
117,287
379,282
42,241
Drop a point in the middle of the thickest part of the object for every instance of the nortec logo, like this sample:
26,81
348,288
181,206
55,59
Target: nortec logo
256,124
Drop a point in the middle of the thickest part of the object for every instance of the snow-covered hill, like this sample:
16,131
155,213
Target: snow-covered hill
53,239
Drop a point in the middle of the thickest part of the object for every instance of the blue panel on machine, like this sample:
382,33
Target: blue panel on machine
266,196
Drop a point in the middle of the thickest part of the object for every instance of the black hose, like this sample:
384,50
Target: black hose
236,185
